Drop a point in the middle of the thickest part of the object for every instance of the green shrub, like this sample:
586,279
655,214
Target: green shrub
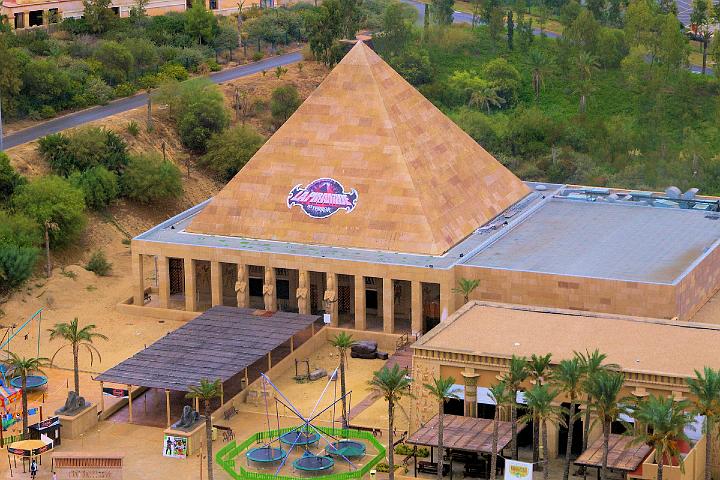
45,112
213,66
229,151
99,186
257,56
84,149
173,71
9,178
19,230
133,128
505,77
414,66
116,61
405,449
125,90
96,92
16,265
149,178
283,103
191,58
99,264
200,121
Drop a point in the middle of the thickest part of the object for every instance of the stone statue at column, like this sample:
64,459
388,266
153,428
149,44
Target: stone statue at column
241,288
303,299
269,289
331,295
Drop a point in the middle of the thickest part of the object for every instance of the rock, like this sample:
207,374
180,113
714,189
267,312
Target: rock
317,374
364,347
382,355
366,356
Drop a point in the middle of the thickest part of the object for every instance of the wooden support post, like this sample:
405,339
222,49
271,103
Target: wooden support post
167,407
292,344
269,361
222,394
197,404
130,417
247,383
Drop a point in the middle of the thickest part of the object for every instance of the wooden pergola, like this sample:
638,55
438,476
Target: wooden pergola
624,455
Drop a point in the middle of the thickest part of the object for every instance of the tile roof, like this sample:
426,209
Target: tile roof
422,184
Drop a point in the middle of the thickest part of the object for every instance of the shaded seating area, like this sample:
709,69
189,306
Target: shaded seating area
467,440
232,344
624,456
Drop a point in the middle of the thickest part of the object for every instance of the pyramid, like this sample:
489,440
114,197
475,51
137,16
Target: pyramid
365,162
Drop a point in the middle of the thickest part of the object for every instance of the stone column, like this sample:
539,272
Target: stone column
269,290
553,432
416,309
242,289
167,407
360,308
216,291
303,292
330,299
388,303
139,280
26,19
470,380
190,285
164,281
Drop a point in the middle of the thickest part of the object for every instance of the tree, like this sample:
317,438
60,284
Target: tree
10,180
567,376
673,48
585,65
517,373
538,367
485,98
200,121
503,76
206,392
603,388
392,384
440,391
510,29
343,342
540,65
351,16
116,60
200,23
442,12
541,410
99,186
23,367
502,396
16,265
324,29
665,420
397,29
283,103
98,15
496,25
413,65
705,387
466,287
75,338
148,178
229,151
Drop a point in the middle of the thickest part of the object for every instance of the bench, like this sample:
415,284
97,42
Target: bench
227,432
431,467
376,432
229,412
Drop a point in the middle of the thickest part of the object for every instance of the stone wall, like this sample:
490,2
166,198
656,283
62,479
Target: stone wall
701,283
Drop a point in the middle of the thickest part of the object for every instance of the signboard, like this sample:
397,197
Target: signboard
115,392
47,423
175,447
322,198
515,470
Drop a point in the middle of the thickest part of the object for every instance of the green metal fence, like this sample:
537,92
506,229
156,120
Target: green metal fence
226,456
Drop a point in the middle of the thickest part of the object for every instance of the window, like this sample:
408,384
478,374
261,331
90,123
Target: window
20,20
283,289
256,287
53,15
36,18
213,4
116,10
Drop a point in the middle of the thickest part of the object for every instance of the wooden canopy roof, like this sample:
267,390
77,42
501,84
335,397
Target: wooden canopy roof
420,183
623,454
220,343
463,433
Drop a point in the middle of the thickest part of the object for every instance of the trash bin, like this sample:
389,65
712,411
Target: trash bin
214,433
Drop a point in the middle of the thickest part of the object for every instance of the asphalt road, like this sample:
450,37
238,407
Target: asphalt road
125,104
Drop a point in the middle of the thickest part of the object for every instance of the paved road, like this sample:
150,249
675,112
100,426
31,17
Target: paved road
462,17
125,104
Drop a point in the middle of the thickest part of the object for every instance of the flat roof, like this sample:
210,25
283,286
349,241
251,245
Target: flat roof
469,434
219,343
617,241
624,453
640,345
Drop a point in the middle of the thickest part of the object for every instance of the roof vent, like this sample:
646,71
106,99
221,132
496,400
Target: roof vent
690,194
673,192
540,188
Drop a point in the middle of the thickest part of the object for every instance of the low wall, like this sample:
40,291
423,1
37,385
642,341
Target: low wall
74,426
128,308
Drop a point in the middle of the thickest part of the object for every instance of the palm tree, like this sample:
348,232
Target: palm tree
343,342
666,419
466,287
486,97
392,384
441,391
586,64
705,387
568,377
591,363
23,367
537,366
76,337
502,396
541,410
517,373
540,66
604,389
206,391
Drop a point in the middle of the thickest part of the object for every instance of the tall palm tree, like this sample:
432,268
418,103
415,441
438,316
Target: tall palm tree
591,363
441,391
517,373
503,396
76,337
666,419
343,342
568,377
485,98
585,64
466,287
604,388
705,387
540,66
540,406
206,391
23,367
392,384
538,367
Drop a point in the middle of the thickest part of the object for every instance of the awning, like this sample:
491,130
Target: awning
623,453
483,395
469,434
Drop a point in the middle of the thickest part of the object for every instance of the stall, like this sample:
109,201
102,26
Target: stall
27,450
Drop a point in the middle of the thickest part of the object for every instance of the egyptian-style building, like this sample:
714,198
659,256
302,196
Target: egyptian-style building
370,205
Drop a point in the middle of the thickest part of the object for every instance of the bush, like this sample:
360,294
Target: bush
96,92
149,178
213,66
531,133
84,149
405,449
53,200
505,78
16,265
173,71
45,112
483,129
200,121
99,264
257,56
10,180
125,90
19,230
133,128
283,103
229,151
414,66
99,186
116,60
191,58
